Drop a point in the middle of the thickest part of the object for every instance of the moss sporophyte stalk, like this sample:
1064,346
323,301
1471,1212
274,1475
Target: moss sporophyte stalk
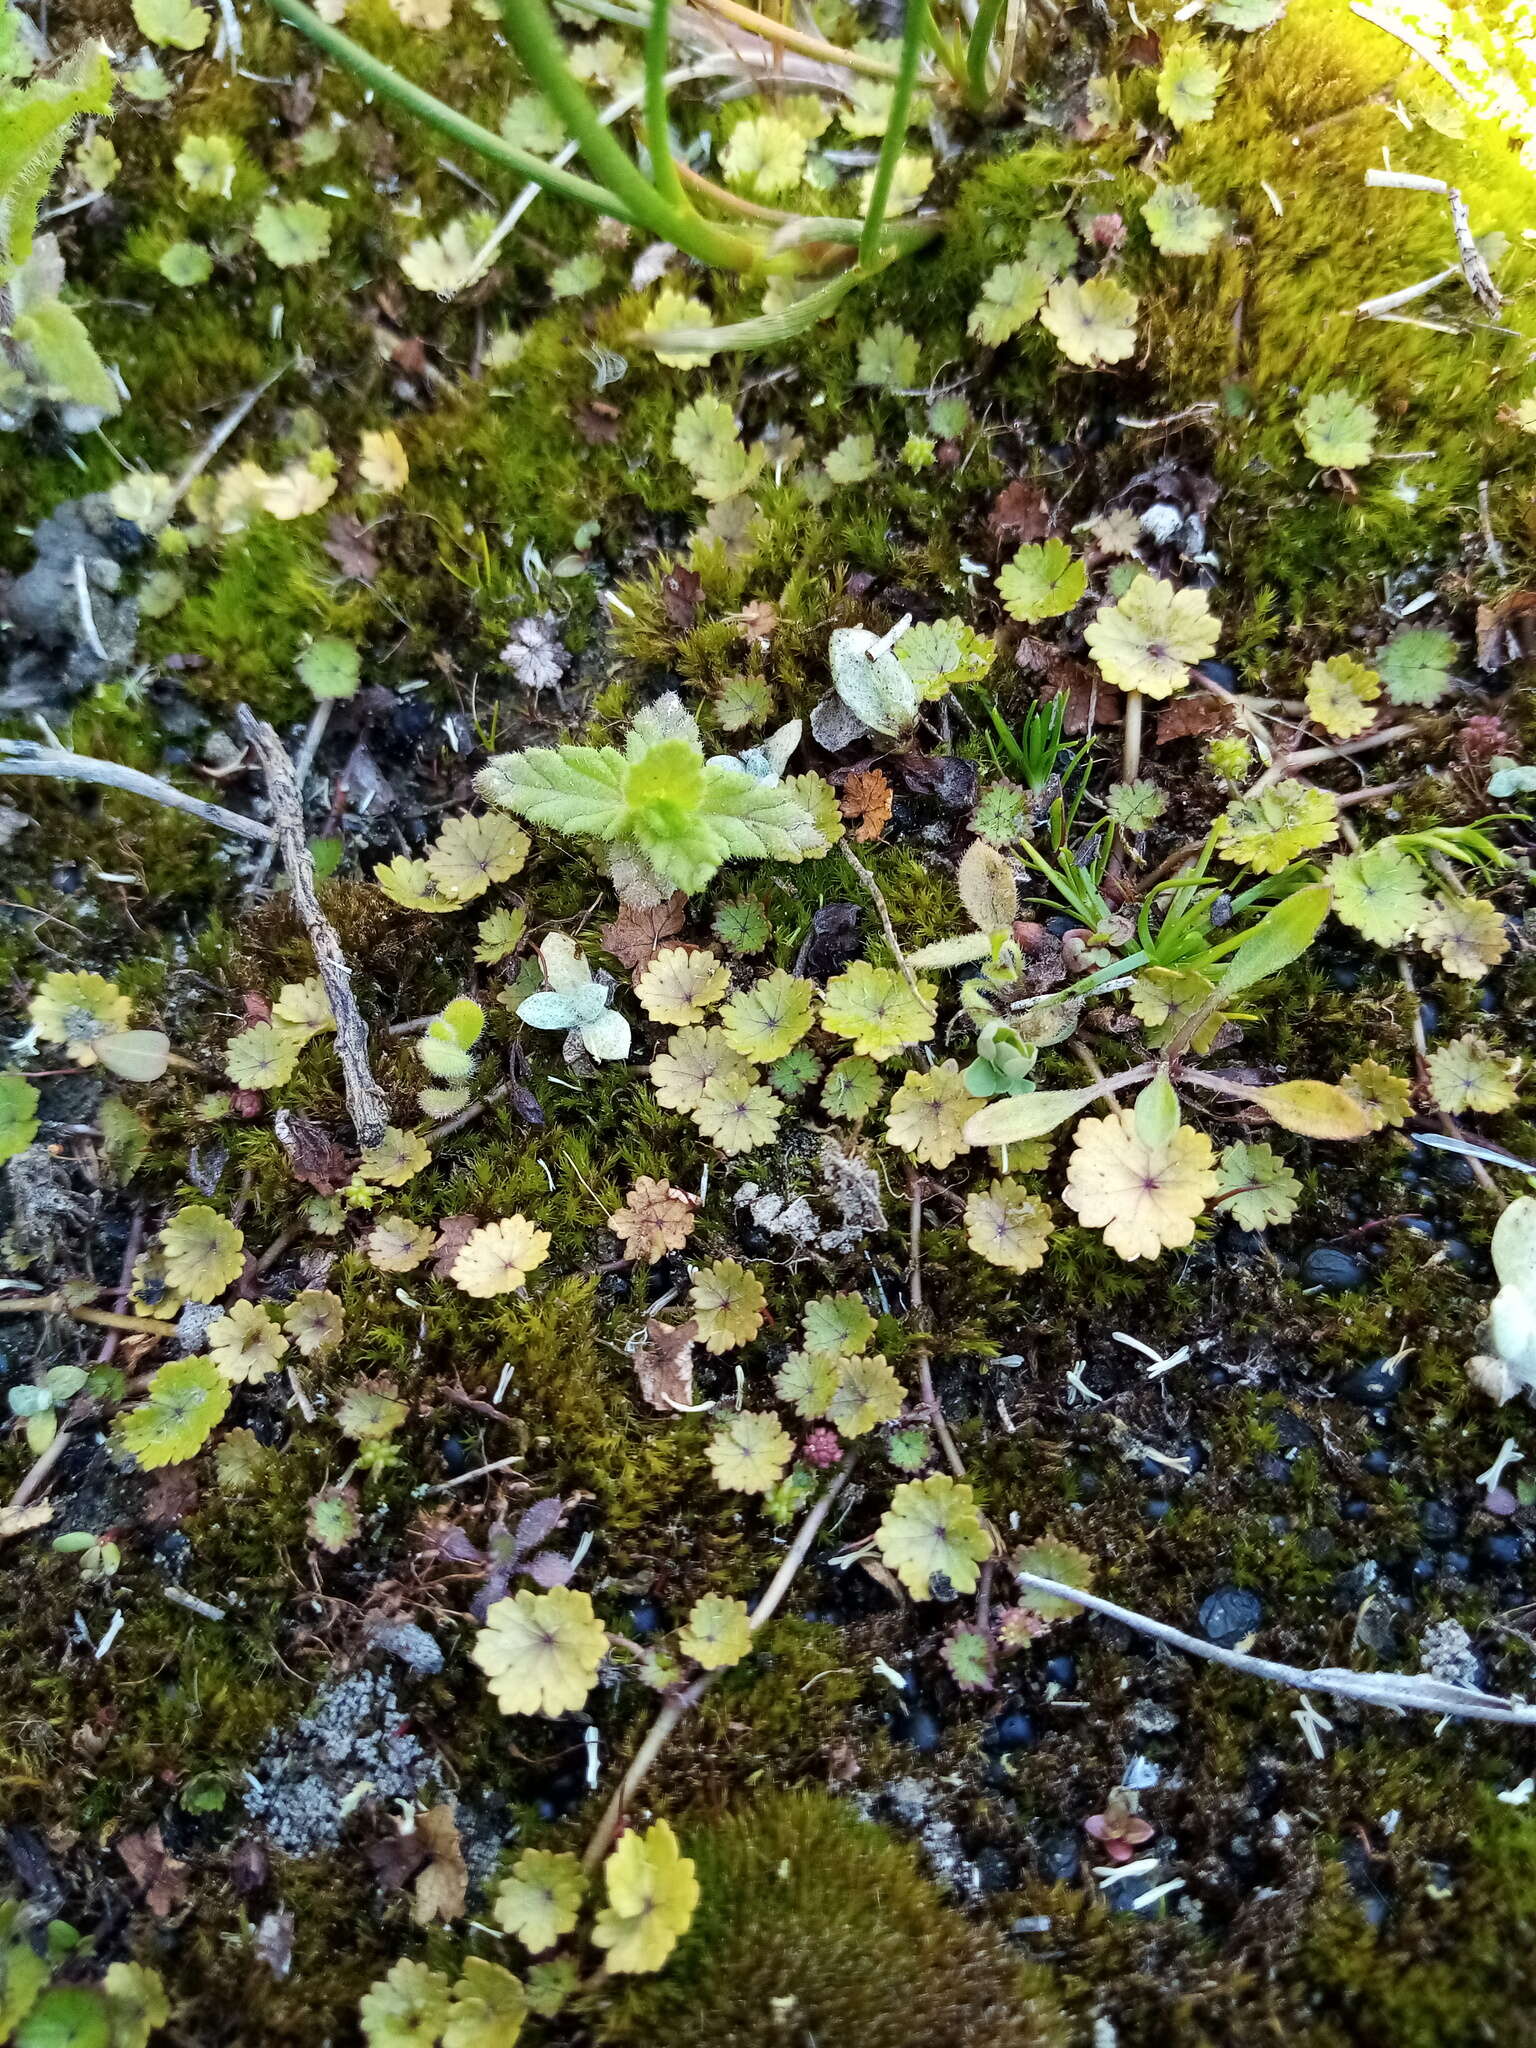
765,1105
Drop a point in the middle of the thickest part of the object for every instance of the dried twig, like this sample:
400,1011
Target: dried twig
235,418
1473,266
480,1472
883,912
915,1300
1389,302
365,1099
28,757
104,1319
1496,556
204,1608
320,719
1285,765
1420,45
1377,1689
682,1703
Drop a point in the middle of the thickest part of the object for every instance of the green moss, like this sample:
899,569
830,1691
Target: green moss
813,1925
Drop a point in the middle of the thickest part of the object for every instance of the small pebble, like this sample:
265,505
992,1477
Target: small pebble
1334,1271
1230,1615
1058,1857
1012,1730
1375,1385
1439,1521
919,1730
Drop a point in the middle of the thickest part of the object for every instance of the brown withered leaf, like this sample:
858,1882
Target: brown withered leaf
664,1365
1020,512
951,780
759,620
150,1864
655,1219
453,1233
347,544
313,1154
681,590
296,102
636,936
521,1100
248,1866
1504,630
173,1496
442,1884
1193,717
396,1858
1090,700
597,422
867,797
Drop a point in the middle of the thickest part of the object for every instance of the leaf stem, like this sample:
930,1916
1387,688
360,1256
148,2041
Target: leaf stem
426,106
913,33
797,40
658,133
977,50
1131,760
533,36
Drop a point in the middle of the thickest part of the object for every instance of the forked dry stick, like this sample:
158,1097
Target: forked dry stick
930,1399
365,1099
679,1704
30,757
1372,1688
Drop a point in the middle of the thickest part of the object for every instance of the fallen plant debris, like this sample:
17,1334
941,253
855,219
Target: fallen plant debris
726,1314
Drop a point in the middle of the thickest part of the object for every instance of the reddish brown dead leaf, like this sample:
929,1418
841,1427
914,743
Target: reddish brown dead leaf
597,422
349,547
867,797
397,1858
636,936
248,1866
1193,717
1020,512
453,1233
173,1495
151,1865
664,1365
1090,700
681,590
313,1154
